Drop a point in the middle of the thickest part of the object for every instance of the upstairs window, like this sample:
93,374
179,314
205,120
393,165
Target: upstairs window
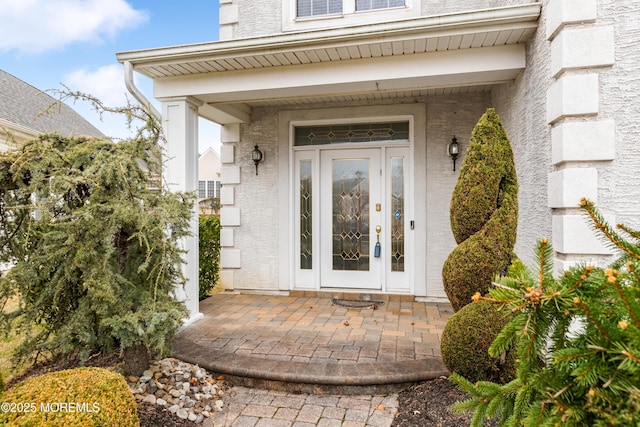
301,15
319,7
377,4
311,8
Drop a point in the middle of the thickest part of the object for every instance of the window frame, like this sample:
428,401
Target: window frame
202,189
349,16
210,187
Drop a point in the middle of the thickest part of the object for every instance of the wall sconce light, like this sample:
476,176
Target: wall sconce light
257,157
453,149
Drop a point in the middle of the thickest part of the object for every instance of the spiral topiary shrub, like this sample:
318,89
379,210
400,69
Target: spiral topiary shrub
484,213
466,339
73,398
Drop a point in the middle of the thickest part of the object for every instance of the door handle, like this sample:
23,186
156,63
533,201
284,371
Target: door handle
377,249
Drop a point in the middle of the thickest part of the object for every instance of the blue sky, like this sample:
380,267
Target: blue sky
47,43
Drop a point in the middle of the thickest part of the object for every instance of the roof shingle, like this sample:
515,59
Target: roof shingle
23,104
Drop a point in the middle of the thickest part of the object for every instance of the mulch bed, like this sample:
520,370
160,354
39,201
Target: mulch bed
154,416
428,404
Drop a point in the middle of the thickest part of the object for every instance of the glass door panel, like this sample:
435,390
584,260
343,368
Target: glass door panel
350,216
306,215
350,190
397,218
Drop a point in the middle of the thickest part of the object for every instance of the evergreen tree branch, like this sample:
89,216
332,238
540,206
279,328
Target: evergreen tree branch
600,224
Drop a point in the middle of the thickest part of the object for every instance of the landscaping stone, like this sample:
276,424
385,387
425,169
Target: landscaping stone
186,390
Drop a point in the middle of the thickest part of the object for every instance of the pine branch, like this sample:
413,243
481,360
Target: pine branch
601,225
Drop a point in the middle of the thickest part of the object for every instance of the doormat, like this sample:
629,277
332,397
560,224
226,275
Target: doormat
356,303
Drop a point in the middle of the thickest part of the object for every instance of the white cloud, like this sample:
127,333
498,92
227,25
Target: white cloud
106,83
34,26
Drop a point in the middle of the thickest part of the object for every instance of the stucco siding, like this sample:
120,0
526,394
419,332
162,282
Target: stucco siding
259,235
446,116
259,18
257,195
521,106
619,189
249,18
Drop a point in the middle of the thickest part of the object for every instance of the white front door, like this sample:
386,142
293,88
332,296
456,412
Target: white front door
350,192
353,234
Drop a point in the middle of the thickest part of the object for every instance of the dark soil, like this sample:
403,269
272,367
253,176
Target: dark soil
428,404
154,416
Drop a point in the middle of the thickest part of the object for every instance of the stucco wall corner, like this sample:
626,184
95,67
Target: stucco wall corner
584,47
228,13
227,153
583,141
568,186
573,235
562,12
573,95
226,280
258,236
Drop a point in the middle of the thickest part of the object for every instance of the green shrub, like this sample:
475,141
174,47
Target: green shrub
484,213
587,375
95,245
77,397
209,261
465,344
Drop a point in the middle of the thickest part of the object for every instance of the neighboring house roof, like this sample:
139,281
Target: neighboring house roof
209,151
34,111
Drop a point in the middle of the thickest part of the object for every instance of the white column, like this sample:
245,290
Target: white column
180,124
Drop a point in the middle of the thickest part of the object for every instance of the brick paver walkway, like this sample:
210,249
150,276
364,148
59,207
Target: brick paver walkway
320,364
307,329
248,407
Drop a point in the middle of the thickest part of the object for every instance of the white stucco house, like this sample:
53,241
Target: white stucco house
353,103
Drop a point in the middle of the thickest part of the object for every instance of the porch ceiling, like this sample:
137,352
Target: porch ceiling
230,77
370,96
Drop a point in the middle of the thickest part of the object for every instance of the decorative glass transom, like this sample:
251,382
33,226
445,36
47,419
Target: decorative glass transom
377,4
361,132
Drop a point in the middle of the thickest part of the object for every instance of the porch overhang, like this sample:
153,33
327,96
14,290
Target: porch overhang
454,52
